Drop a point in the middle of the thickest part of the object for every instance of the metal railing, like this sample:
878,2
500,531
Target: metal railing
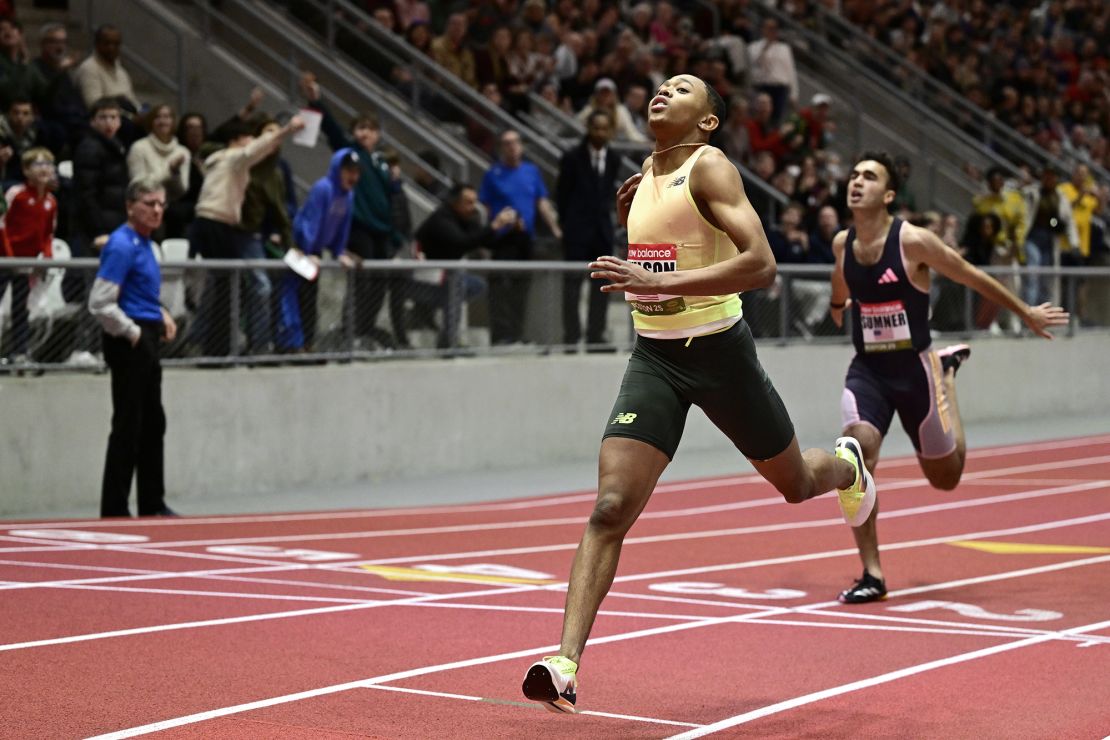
251,313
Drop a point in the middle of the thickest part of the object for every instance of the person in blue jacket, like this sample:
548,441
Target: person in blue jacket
323,223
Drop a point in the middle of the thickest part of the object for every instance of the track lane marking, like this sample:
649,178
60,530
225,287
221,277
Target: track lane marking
875,681
215,575
529,503
578,520
846,613
530,705
412,673
511,589
755,529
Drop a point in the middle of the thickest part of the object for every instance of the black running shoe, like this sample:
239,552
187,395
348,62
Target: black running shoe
953,356
868,588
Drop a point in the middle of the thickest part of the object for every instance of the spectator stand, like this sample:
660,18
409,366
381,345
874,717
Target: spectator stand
976,118
875,114
431,91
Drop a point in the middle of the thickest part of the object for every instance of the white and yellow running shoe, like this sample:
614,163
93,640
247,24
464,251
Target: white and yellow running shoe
552,682
857,501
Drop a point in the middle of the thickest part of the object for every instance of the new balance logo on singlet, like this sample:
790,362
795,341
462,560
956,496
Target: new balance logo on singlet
888,277
676,182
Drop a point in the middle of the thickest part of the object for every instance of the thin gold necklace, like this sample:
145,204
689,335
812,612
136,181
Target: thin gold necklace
676,146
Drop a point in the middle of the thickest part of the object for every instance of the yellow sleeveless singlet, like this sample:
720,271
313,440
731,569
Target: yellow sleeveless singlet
666,232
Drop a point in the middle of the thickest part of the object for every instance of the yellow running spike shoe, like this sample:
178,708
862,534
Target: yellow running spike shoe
858,500
552,682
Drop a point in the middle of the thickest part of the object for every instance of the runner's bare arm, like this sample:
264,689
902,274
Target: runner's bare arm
719,194
627,191
922,245
841,295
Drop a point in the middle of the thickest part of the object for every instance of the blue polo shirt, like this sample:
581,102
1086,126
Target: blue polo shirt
128,261
519,188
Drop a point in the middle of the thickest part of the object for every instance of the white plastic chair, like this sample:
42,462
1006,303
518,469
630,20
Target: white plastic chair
45,303
173,280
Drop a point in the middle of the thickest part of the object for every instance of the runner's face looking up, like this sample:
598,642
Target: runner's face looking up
868,186
682,103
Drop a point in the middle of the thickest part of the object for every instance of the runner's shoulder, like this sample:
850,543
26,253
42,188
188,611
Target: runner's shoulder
714,167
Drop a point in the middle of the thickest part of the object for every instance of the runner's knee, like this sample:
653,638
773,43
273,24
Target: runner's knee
946,479
613,513
796,493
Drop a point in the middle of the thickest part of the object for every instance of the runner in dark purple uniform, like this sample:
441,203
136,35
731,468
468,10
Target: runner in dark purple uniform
882,277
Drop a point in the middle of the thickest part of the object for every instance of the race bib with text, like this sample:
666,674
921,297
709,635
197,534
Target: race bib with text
885,326
655,258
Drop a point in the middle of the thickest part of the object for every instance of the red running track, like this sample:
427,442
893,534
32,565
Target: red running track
722,621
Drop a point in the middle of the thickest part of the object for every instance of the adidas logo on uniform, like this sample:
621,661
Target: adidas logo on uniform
888,277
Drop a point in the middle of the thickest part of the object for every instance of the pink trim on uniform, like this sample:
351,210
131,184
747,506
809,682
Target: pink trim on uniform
936,441
905,265
849,413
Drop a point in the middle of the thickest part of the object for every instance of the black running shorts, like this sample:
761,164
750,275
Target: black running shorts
720,374
909,383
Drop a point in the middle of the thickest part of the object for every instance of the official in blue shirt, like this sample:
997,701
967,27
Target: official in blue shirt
124,299
514,183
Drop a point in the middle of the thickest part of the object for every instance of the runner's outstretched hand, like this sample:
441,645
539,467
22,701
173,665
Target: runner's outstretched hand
1038,318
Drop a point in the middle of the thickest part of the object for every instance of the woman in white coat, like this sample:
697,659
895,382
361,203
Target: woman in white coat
160,155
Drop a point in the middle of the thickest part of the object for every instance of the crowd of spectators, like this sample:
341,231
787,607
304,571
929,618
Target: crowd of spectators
1039,67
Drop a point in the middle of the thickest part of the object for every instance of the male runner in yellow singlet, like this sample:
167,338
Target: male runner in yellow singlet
882,278
694,243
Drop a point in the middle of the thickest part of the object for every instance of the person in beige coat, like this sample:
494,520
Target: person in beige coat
159,155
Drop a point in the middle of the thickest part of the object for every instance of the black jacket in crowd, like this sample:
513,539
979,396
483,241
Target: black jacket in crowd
586,202
444,235
100,180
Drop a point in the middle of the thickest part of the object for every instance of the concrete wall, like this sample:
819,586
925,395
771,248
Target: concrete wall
244,430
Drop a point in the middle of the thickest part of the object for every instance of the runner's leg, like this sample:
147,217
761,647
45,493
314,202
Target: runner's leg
628,470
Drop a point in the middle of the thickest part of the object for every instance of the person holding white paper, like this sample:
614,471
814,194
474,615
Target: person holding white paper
323,223
311,131
374,231
215,232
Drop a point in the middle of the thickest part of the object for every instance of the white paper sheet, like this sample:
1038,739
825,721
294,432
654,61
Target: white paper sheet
300,263
311,131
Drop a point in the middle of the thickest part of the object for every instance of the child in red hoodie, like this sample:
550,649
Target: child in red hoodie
28,231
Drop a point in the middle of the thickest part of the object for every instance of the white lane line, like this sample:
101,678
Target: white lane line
643,576
559,610
150,575
1040,527
755,529
875,681
213,594
485,660
981,632
240,620
848,613
222,574
1004,628
578,520
41,548
532,503
937,627
398,676
443,695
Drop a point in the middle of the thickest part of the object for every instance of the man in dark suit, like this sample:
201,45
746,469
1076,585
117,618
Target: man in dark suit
584,195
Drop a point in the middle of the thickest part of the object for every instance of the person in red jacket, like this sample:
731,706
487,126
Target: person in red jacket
28,228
